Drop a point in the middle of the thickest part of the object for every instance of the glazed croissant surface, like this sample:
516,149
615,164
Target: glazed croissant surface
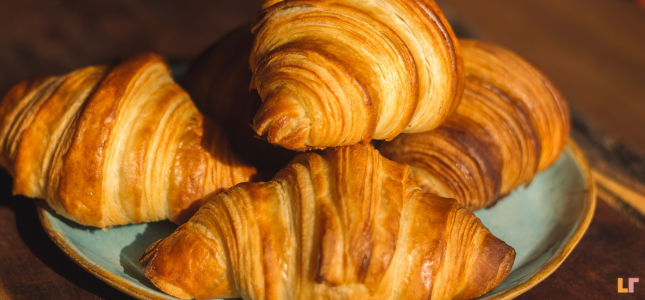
339,72
110,146
343,224
511,123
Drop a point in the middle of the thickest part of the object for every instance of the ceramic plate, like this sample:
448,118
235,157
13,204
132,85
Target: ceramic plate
543,222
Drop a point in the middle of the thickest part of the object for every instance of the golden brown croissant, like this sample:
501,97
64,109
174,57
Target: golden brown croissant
110,146
344,224
338,72
511,123
218,83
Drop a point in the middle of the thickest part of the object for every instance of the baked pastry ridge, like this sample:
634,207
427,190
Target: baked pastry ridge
109,146
512,123
339,72
342,224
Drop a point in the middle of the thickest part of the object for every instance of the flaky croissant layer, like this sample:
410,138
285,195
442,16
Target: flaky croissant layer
343,224
512,122
338,72
110,146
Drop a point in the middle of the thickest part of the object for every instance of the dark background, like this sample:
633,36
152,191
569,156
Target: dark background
594,50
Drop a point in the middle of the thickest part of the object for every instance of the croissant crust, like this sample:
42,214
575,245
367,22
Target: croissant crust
110,146
339,72
343,224
511,123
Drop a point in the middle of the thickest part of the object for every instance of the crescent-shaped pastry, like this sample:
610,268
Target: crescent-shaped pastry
343,224
111,146
340,72
512,122
218,82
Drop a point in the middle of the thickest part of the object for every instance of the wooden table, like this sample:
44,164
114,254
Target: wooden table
594,50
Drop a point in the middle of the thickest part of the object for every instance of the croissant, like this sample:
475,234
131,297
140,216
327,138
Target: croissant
338,72
218,82
512,122
111,146
343,224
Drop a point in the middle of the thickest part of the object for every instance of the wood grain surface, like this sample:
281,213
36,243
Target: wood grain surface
594,51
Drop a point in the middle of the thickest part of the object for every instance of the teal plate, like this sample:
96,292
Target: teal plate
543,222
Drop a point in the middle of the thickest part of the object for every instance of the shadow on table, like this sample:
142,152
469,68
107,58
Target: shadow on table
35,238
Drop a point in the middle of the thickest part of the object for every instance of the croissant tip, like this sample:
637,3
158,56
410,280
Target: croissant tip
507,254
289,131
150,254
508,262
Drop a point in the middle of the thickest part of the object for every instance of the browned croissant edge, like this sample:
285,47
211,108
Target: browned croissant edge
512,123
342,224
108,146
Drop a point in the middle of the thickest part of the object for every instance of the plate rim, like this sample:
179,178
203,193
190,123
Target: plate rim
132,289
115,281
558,258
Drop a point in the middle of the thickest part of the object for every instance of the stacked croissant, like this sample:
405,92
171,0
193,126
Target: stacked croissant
463,123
